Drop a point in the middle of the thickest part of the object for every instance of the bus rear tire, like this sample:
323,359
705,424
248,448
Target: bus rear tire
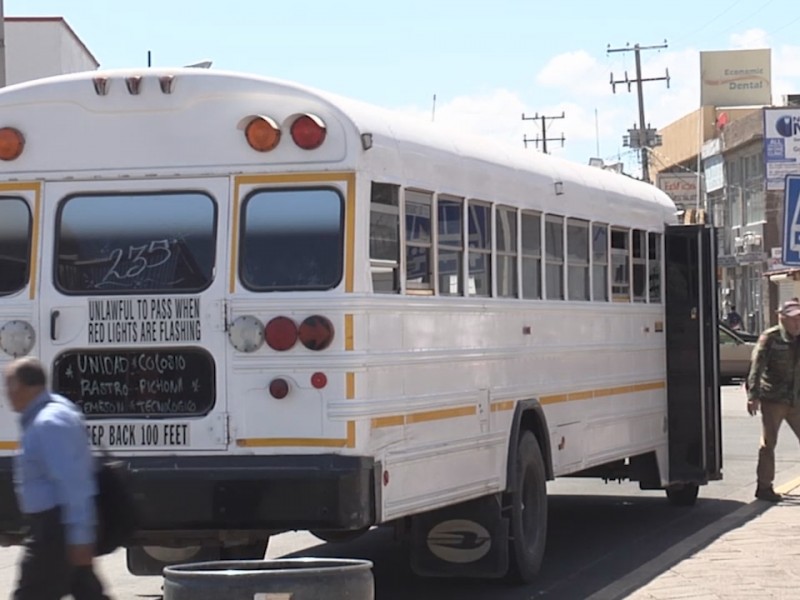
683,494
528,527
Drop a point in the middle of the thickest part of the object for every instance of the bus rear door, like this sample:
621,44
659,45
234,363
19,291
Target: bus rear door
132,309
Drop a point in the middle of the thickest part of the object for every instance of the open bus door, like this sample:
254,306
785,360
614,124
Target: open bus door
693,402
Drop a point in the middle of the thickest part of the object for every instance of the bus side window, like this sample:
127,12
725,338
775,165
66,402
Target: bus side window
654,264
451,246
479,255
384,238
578,259
639,265
600,262
554,257
531,255
506,236
419,240
620,265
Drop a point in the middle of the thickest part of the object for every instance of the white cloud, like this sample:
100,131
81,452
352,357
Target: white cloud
752,38
495,113
577,72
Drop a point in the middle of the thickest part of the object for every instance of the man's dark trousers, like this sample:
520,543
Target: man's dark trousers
45,572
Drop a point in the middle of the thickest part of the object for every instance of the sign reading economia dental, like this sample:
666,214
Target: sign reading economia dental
736,78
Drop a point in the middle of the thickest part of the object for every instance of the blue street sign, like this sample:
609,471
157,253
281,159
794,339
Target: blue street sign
791,222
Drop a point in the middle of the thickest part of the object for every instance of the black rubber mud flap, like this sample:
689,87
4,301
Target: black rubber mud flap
465,540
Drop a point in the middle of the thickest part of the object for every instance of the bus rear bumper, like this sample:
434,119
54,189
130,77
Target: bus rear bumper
216,493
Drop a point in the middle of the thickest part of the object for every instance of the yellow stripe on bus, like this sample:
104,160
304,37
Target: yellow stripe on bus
349,343
350,214
506,405
5,445
424,417
604,392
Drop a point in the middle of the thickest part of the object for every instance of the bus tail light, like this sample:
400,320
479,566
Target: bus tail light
316,333
319,380
11,143
281,333
279,388
308,131
262,133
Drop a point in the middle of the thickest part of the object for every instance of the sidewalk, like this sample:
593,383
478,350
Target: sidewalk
759,558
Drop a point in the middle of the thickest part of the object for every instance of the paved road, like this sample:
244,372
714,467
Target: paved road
599,533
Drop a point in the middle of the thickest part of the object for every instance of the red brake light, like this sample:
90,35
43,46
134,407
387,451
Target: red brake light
316,333
280,333
308,131
279,388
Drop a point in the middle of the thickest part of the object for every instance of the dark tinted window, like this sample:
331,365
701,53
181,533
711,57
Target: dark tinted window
292,240
133,243
15,233
167,383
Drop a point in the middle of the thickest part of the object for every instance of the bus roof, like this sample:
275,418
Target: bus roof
247,92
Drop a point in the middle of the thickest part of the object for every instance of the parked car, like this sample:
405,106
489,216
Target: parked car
735,348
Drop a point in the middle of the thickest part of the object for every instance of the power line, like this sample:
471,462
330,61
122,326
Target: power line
706,24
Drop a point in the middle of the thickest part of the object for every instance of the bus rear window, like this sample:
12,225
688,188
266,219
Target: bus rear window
15,233
133,243
292,239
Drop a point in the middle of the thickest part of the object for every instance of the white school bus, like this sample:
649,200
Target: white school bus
287,310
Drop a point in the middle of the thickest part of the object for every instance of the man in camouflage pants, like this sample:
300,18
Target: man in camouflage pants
773,385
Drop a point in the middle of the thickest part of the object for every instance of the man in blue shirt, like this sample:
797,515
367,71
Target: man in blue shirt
55,482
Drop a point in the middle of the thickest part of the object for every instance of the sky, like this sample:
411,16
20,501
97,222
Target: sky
476,65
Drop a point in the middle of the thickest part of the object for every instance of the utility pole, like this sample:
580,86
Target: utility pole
544,138
644,137
2,47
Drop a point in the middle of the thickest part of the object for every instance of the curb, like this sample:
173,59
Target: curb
682,550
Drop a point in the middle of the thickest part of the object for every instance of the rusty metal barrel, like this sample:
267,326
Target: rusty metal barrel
279,579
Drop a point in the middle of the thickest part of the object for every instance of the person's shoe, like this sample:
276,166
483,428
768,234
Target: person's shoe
768,494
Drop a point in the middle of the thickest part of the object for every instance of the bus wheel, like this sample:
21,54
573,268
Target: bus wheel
682,494
528,511
252,551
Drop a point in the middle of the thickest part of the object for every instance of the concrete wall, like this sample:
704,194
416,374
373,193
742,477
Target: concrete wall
41,47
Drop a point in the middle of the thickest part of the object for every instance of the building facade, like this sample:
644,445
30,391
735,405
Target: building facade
724,150
38,47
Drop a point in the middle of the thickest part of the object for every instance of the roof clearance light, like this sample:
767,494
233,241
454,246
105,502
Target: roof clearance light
262,133
316,333
11,143
308,131
281,333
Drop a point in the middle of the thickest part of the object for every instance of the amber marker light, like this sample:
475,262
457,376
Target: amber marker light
308,131
263,134
11,143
